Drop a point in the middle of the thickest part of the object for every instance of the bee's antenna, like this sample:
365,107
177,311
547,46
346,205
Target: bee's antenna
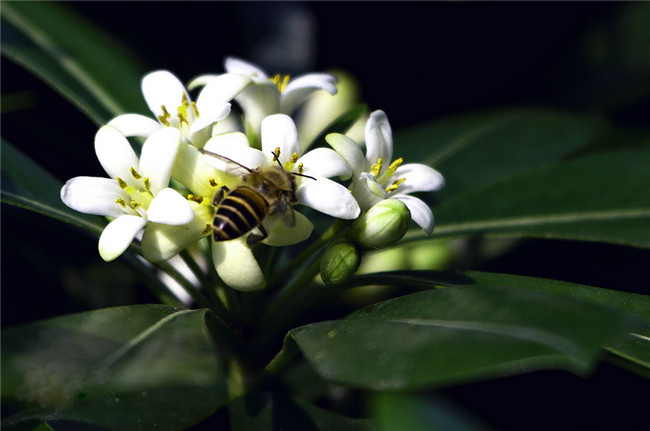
275,156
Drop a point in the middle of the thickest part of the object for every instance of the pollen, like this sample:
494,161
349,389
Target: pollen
135,173
195,110
135,204
393,166
147,184
121,203
164,118
300,168
213,182
376,168
395,185
193,198
182,110
280,81
121,183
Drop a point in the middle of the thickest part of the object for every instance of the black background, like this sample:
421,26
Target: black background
418,61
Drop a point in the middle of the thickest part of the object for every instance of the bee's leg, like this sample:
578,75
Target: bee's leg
218,197
254,237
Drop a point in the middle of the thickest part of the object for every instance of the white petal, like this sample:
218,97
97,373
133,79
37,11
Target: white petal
115,153
419,178
279,131
379,139
325,163
161,241
234,146
328,197
367,191
118,235
258,101
301,87
135,125
162,88
158,157
201,129
194,173
94,195
281,235
420,212
220,90
169,207
237,65
236,265
349,150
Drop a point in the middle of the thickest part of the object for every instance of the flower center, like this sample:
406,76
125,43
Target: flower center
383,177
186,114
280,81
140,194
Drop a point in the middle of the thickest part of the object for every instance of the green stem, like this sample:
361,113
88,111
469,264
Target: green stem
154,284
187,285
207,284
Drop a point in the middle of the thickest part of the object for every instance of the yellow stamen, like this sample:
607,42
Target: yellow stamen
121,183
135,204
208,229
121,203
300,167
277,153
164,118
395,185
197,199
147,184
391,169
280,81
135,173
213,182
374,169
195,110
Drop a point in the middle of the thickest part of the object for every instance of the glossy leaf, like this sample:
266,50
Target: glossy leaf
27,185
274,412
101,77
136,367
475,150
601,197
457,334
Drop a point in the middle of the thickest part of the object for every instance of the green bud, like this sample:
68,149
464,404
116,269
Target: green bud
383,224
339,262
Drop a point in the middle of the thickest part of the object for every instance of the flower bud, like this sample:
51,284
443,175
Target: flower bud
383,224
339,262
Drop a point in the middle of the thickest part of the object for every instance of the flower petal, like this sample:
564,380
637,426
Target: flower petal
325,163
194,173
279,131
135,125
328,197
162,88
158,157
349,150
118,235
420,212
301,87
220,90
201,129
94,195
161,241
282,235
379,139
236,265
419,178
237,65
115,153
169,207
234,146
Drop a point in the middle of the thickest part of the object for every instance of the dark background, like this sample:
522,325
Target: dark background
418,61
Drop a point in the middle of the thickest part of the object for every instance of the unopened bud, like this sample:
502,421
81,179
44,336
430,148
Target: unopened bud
383,224
339,262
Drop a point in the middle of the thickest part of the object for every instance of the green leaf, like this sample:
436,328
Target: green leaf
271,412
82,62
459,334
601,197
27,185
137,367
475,150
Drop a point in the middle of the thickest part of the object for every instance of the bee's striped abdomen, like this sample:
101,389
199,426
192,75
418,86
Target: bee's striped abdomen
239,212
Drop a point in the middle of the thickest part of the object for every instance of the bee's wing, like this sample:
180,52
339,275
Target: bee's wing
230,166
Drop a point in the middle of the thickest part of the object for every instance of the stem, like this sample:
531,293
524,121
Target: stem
152,282
187,285
206,283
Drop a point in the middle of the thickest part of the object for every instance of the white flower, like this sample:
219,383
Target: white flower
172,106
234,261
269,94
137,191
375,178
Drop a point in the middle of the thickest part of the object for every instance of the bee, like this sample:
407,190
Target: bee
263,192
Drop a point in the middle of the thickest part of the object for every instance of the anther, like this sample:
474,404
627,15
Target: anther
135,173
213,182
135,204
393,166
300,167
395,185
197,199
208,229
195,110
121,183
376,168
164,118
121,203
277,152
147,184
280,81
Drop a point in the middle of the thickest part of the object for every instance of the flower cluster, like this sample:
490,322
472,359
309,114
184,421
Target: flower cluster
228,165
